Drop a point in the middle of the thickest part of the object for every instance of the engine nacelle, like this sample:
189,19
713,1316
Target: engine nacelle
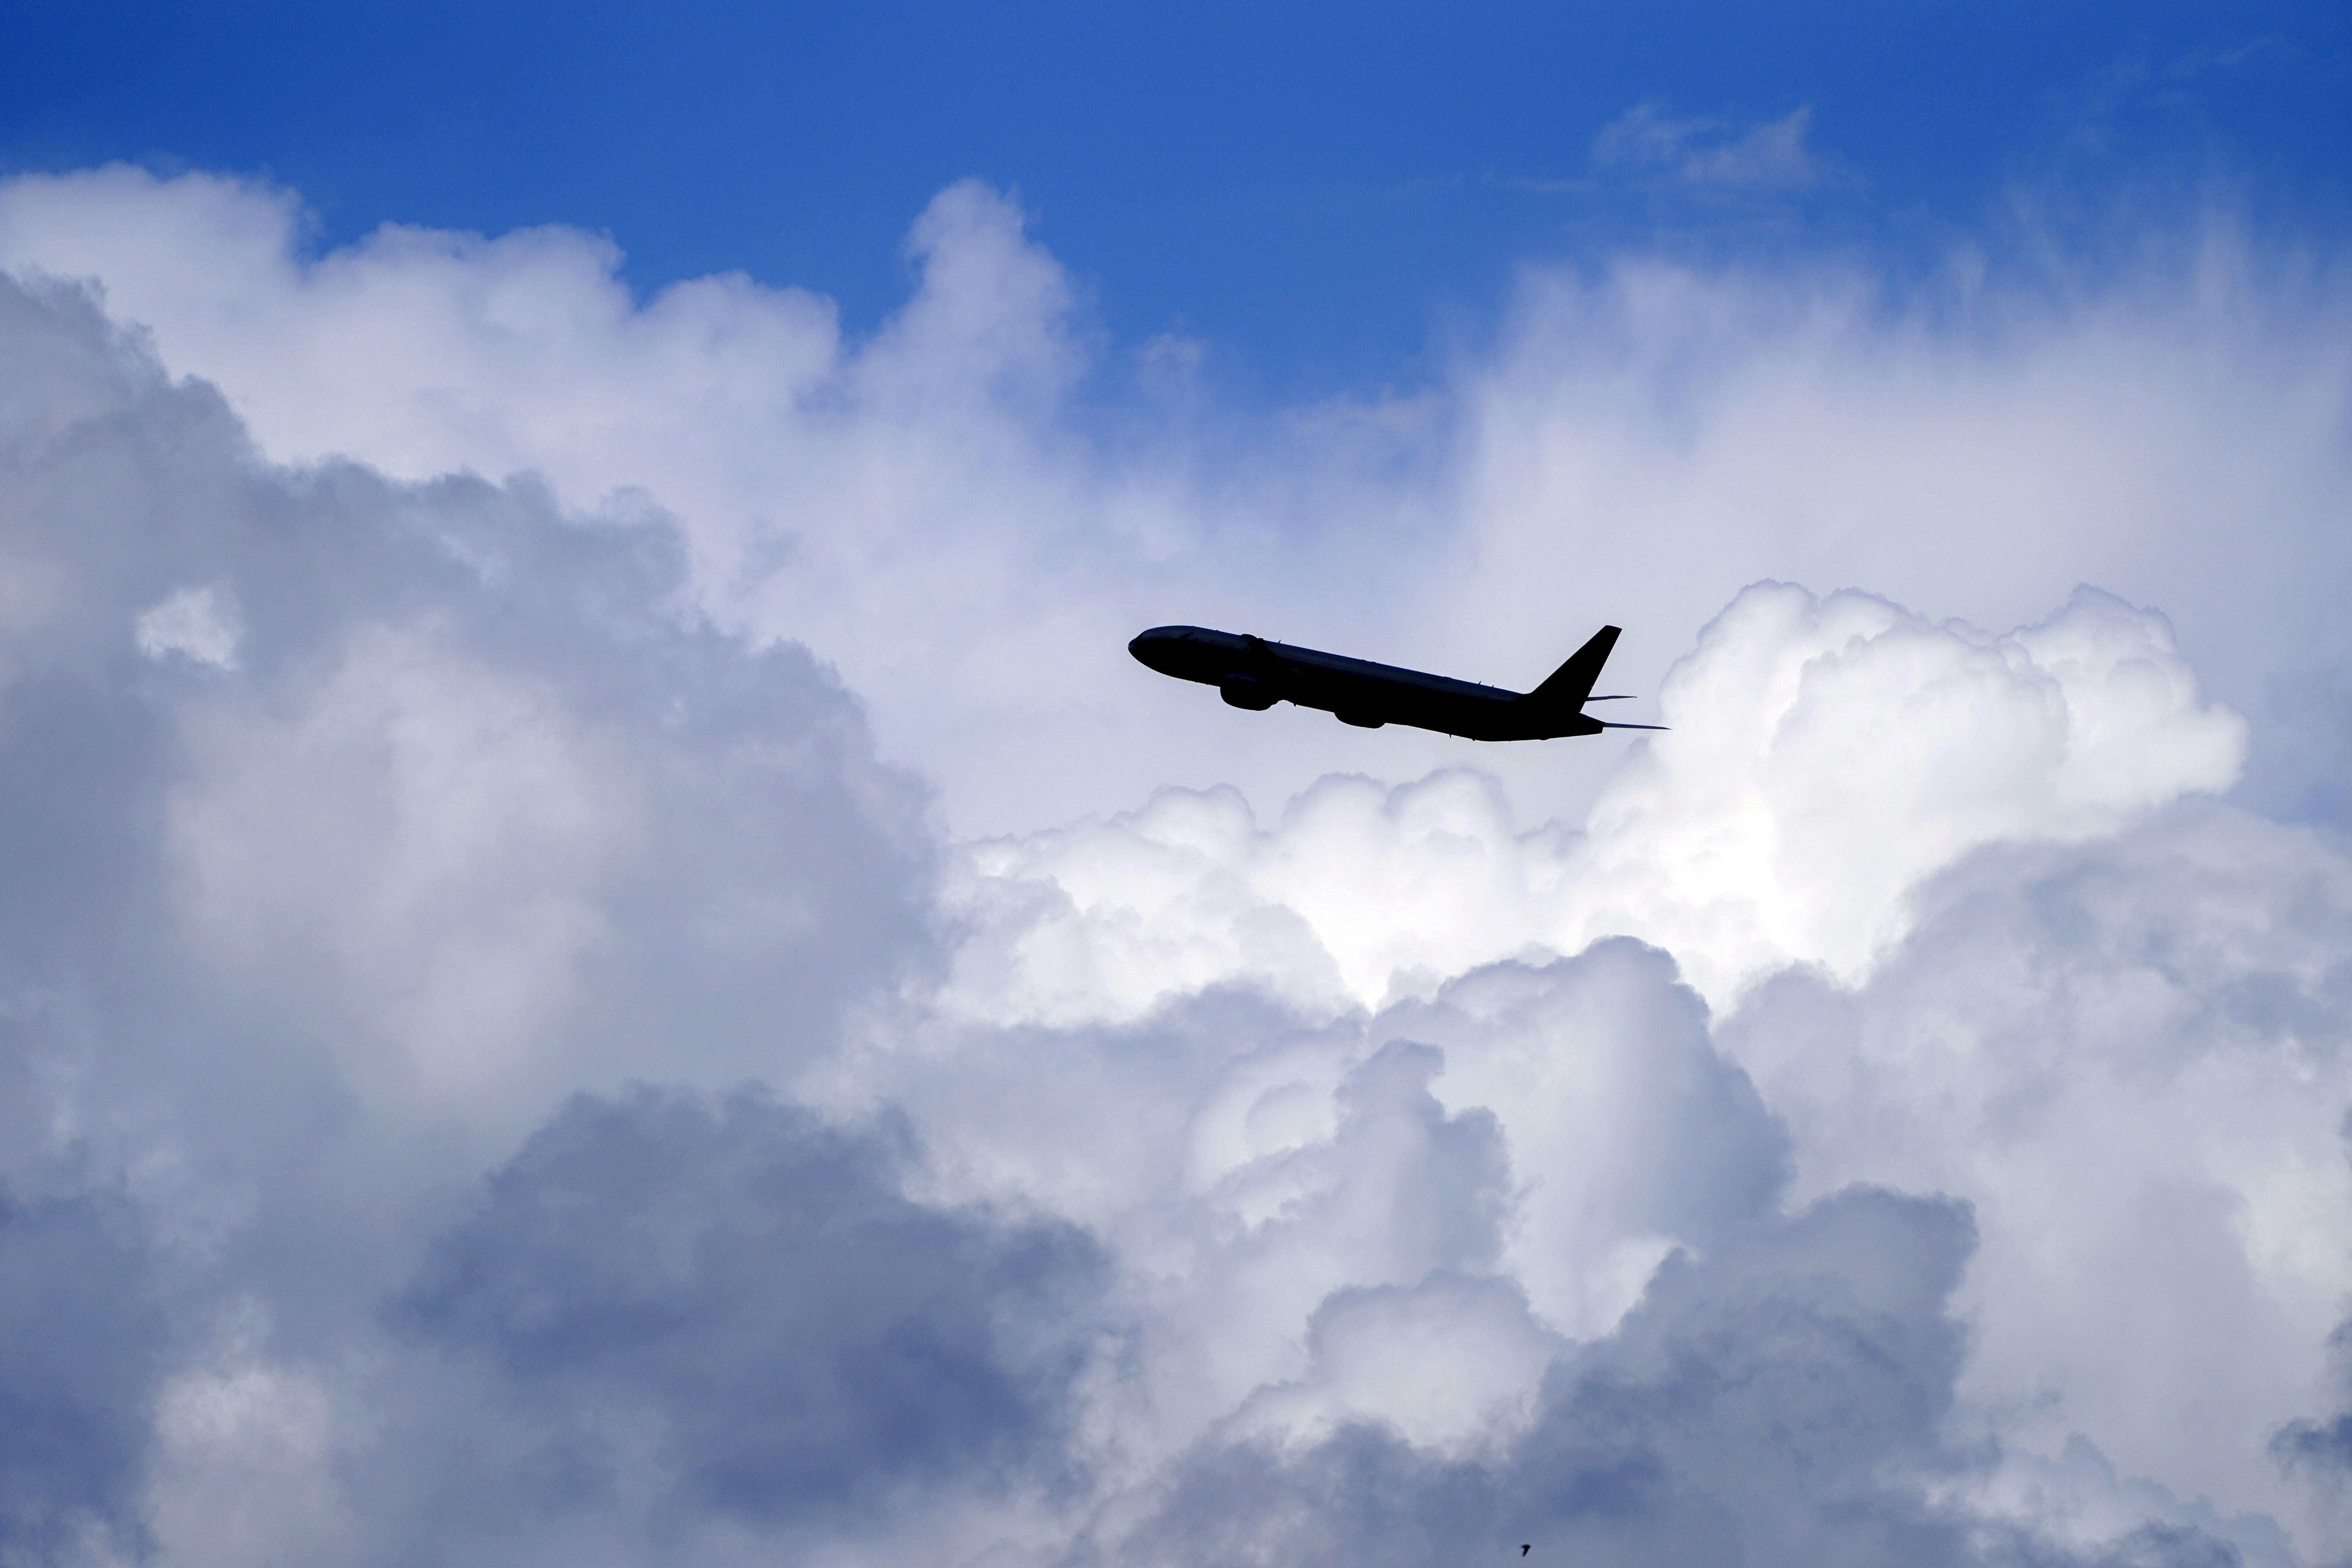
1361,721
1247,691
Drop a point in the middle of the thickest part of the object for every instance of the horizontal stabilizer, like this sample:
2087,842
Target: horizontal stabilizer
1606,725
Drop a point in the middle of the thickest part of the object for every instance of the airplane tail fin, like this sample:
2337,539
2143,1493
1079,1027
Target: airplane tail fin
1570,687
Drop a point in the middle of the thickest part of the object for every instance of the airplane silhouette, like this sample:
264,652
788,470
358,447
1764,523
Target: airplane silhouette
1250,672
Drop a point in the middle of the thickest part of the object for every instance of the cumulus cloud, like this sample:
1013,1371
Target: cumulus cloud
1823,757
498,1070
2129,1057
1777,1404
299,941
1634,445
731,1311
809,467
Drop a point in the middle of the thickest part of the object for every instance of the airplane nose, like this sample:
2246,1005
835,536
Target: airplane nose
1156,647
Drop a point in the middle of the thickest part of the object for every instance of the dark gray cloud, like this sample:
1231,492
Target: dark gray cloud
1776,1403
84,1345
733,1309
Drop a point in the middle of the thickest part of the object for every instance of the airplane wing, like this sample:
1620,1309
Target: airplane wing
1282,675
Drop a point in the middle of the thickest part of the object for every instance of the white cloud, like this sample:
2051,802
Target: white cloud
296,943
1823,757
808,468
1711,152
947,513
1826,755
1899,1120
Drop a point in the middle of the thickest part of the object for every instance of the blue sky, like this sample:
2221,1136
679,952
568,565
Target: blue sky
1322,194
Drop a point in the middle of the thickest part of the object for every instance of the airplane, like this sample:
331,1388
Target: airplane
1250,672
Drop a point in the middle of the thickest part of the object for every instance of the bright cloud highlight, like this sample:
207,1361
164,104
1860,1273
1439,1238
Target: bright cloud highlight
1823,757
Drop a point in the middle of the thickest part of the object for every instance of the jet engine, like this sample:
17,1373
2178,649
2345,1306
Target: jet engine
1247,691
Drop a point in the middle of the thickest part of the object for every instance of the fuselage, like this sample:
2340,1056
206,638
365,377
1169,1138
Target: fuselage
1253,673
